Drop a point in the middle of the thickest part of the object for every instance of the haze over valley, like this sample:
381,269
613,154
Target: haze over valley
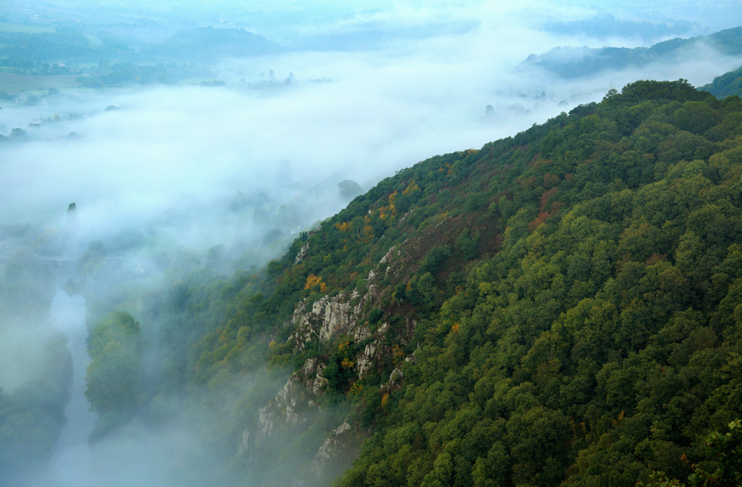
169,171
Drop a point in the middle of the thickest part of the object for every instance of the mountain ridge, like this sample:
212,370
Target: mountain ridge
576,62
555,308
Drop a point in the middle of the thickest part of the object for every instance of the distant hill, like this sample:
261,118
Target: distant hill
207,44
578,62
25,51
19,48
726,85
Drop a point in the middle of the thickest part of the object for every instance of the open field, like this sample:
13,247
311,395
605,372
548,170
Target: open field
5,27
13,83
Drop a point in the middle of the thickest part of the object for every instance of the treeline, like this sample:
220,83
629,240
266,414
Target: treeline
560,307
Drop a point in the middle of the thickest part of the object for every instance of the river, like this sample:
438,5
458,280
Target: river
70,465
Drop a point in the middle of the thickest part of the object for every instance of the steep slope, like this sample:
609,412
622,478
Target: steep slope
556,307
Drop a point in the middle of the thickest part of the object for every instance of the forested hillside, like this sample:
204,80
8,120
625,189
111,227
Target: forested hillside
727,84
559,307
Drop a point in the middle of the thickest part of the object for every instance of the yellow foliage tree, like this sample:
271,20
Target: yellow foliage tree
411,188
313,281
388,213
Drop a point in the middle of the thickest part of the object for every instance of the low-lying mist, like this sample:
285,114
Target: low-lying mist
111,194
192,147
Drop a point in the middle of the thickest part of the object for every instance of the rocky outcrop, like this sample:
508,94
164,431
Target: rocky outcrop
387,257
311,372
332,316
288,414
336,444
343,315
302,253
284,409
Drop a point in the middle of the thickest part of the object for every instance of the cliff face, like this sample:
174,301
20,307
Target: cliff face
329,319
345,315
